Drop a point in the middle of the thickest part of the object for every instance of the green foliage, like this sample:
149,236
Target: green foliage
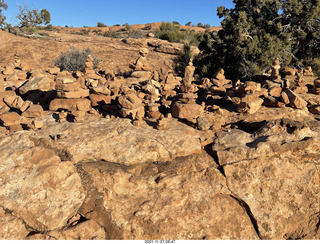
3,6
100,24
136,34
315,64
256,32
46,17
147,27
82,32
188,24
32,17
75,60
182,59
175,23
199,24
251,38
111,34
49,27
172,33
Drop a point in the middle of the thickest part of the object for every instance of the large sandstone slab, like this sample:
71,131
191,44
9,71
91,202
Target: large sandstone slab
118,141
35,185
274,172
38,83
183,199
81,104
189,112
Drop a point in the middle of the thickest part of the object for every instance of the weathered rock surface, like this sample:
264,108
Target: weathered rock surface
118,141
12,228
35,185
163,200
275,173
37,83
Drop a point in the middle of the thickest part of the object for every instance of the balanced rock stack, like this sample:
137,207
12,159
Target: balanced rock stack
220,84
300,86
16,114
91,78
308,71
186,106
71,98
188,78
316,86
15,73
170,84
275,74
141,68
251,97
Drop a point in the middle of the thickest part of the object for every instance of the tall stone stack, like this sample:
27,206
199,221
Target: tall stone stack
186,106
187,85
92,79
141,68
275,74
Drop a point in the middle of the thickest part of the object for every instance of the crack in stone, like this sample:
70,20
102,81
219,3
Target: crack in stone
246,207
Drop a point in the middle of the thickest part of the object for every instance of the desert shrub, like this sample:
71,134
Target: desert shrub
199,24
116,25
111,34
75,60
147,27
172,33
188,24
169,32
175,23
136,34
182,59
49,27
100,24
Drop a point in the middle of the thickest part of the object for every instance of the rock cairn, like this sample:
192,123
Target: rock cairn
27,95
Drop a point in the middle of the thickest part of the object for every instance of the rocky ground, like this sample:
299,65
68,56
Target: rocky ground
98,155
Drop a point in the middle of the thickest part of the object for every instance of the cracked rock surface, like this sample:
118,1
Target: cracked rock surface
107,179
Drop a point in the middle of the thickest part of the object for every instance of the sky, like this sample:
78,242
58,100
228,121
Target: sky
79,13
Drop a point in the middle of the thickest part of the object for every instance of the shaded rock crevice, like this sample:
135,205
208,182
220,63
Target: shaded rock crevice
246,207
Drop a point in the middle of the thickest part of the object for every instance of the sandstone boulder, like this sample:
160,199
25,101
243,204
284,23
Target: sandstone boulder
130,101
295,100
36,186
12,228
34,111
188,195
189,112
70,104
37,83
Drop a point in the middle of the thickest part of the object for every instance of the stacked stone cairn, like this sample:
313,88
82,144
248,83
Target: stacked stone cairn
26,96
186,106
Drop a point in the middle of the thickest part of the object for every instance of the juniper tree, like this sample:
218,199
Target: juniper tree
32,17
252,36
301,18
3,6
